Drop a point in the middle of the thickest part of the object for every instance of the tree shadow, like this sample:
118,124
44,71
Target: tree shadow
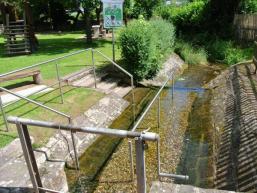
56,46
37,107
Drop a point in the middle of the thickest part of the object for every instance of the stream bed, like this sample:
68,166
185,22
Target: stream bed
185,134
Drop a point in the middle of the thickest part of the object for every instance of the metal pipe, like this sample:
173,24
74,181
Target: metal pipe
29,155
41,63
74,146
131,160
160,174
159,111
93,62
175,176
113,45
149,106
172,88
140,165
74,149
119,67
148,136
59,81
34,102
133,99
49,190
4,115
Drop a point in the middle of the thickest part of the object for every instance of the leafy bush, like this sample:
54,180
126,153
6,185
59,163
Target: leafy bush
220,50
144,45
227,51
188,15
191,54
248,6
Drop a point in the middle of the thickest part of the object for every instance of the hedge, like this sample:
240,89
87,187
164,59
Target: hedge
144,46
184,17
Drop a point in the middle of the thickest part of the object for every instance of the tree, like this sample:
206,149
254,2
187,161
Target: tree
222,15
89,6
146,7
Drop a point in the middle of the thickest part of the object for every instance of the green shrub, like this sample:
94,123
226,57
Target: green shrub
248,6
227,51
188,15
144,45
192,55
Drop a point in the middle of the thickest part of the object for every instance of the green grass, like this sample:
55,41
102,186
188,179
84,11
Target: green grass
56,45
76,101
191,54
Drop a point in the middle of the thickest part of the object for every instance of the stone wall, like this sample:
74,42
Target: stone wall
234,107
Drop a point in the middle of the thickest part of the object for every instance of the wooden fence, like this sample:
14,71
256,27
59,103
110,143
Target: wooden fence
246,26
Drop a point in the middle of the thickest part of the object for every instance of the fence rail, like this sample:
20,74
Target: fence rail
246,26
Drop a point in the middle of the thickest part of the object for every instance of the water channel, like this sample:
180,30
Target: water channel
185,133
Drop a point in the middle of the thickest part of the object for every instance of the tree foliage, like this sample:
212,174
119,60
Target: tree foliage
144,44
247,7
145,7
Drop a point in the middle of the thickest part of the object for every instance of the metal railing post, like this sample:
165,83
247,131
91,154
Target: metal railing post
59,81
133,99
131,160
172,87
75,150
4,115
140,165
93,63
29,157
74,146
159,111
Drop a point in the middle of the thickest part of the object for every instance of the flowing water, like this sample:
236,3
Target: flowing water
185,134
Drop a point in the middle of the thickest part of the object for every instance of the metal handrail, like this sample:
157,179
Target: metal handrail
115,64
45,62
151,103
36,103
140,138
157,96
149,136
124,71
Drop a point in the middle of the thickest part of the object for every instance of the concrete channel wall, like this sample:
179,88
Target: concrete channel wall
235,122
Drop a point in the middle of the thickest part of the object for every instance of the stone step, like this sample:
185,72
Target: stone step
77,75
89,80
10,153
122,91
107,85
163,187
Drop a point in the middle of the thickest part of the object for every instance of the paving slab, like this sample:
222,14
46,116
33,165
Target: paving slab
7,98
164,187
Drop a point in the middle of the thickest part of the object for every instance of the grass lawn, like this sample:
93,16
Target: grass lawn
76,101
56,45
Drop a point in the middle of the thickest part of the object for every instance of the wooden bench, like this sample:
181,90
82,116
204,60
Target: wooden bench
36,74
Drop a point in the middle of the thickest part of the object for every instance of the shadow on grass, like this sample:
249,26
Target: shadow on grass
35,108
54,46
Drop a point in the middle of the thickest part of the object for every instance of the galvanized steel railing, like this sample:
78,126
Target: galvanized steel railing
140,119
22,128
59,80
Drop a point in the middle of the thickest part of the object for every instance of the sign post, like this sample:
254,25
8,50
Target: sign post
113,17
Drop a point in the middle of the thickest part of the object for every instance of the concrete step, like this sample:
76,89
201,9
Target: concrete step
89,80
77,75
107,85
163,187
122,91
